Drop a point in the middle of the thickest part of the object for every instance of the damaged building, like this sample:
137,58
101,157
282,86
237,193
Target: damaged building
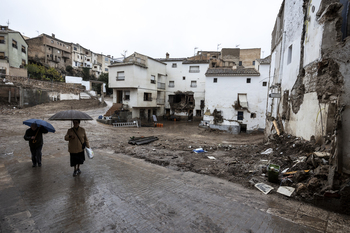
236,91
309,87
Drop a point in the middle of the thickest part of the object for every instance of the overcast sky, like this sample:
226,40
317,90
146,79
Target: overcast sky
149,27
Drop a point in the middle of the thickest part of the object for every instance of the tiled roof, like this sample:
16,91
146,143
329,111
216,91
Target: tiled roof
266,60
232,72
195,62
170,59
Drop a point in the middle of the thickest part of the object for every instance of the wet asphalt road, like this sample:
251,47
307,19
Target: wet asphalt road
117,193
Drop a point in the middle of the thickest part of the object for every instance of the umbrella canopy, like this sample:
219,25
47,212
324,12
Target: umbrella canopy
69,115
39,123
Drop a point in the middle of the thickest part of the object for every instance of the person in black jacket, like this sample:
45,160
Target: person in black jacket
35,137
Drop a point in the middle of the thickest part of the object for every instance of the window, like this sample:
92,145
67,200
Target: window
193,83
127,95
76,63
198,112
252,115
290,51
183,78
194,69
86,53
264,84
240,63
242,100
2,40
120,76
88,59
153,79
106,69
147,96
240,115
249,80
2,55
95,67
23,62
174,65
171,83
14,44
106,58
51,41
253,63
75,48
215,80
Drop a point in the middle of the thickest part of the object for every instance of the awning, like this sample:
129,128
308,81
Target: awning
242,100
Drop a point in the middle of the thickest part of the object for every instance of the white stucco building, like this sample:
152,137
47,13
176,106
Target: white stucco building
185,87
138,84
235,98
309,75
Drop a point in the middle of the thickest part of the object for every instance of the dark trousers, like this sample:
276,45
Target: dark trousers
36,155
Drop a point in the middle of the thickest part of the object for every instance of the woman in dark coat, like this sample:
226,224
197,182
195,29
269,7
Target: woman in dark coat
76,138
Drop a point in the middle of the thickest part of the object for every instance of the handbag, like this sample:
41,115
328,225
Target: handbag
89,152
83,145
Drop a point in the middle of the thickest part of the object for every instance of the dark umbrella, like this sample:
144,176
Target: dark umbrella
39,123
69,115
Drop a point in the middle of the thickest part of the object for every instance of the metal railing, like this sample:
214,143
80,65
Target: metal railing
161,85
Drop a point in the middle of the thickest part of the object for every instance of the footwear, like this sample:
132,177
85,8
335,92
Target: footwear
78,171
39,164
75,173
34,165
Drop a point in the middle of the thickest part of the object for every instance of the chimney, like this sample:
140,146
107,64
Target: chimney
53,35
167,55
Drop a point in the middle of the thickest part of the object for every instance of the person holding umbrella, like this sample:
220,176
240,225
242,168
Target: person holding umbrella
77,141
35,137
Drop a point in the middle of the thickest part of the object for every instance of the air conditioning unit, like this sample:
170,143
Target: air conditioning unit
275,95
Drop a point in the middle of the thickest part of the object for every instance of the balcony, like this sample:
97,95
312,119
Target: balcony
161,86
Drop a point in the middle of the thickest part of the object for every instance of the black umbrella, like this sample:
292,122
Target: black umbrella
70,115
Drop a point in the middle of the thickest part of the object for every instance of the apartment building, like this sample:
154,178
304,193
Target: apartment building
13,52
49,50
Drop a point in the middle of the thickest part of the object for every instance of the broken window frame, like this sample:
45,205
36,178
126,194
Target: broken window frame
171,84
194,69
147,96
2,39
2,55
193,83
120,76
23,63
14,44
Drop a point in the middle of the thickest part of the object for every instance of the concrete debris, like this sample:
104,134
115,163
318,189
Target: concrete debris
285,190
265,188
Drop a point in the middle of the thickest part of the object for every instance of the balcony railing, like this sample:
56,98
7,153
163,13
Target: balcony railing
161,86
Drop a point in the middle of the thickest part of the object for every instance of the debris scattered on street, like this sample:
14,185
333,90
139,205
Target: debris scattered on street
142,140
199,150
286,190
211,157
265,188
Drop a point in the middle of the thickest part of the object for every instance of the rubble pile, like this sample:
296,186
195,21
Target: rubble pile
310,169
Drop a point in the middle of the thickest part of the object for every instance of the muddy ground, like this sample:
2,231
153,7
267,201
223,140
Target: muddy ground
237,158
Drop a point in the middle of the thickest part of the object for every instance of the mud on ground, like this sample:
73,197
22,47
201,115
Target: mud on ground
237,158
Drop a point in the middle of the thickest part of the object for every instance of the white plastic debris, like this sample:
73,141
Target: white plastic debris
211,157
286,190
268,151
265,188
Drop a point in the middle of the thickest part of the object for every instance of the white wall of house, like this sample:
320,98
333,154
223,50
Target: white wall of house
177,74
285,65
138,82
223,94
